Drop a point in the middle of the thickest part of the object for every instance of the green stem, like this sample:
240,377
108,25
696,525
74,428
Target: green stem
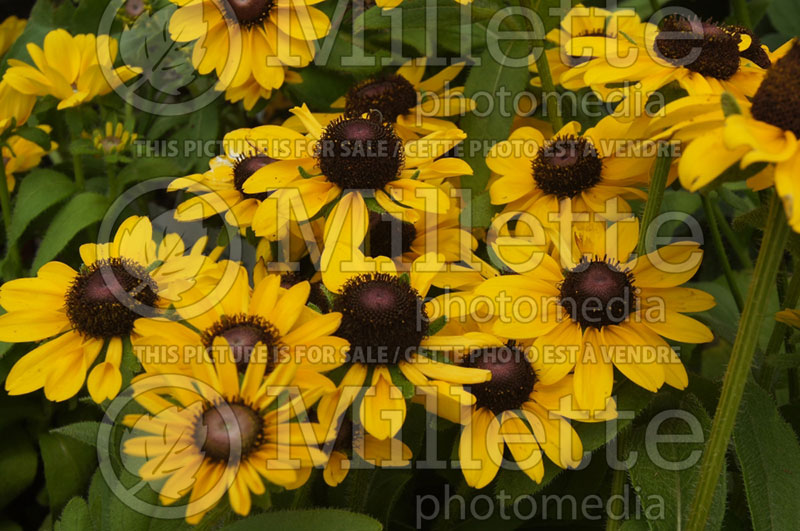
113,181
12,253
658,183
77,169
617,487
742,253
359,488
545,76
778,335
742,13
769,257
719,247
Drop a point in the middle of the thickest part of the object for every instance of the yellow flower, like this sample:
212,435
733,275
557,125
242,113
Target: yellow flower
15,107
114,139
214,432
413,105
604,311
21,155
765,131
789,317
385,320
10,30
339,162
702,57
79,314
588,171
240,321
249,40
391,4
69,68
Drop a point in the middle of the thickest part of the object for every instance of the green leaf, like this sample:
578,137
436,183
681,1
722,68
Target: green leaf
399,380
68,465
81,211
19,462
664,474
74,517
785,16
769,455
729,104
147,168
489,125
38,191
437,325
84,431
307,520
478,212
35,135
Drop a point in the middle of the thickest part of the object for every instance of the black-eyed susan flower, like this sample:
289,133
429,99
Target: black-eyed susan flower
514,409
10,29
21,155
250,39
80,314
415,106
391,4
604,310
73,69
386,323
242,320
15,106
702,57
351,156
765,130
113,139
221,433
589,170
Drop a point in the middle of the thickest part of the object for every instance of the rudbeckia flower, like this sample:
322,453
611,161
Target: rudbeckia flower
240,321
604,311
350,156
515,409
765,130
21,155
69,68
702,57
536,175
84,315
113,139
249,39
386,323
15,107
10,30
250,91
391,4
221,434
413,105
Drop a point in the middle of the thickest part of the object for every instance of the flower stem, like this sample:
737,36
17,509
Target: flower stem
545,76
720,249
658,183
12,253
617,488
77,170
769,257
727,232
767,375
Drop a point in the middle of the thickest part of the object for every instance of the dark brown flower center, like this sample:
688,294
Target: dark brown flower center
383,318
703,47
244,168
777,100
391,96
388,236
754,52
107,297
360,153
243,332
226,427
248,13
512,380
566,166
598,293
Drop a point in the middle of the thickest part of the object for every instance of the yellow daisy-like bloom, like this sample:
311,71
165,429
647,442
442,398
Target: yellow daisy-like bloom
594,172
516,410
413,105
21,155
604,311
79,314
385,320
250,91
216,432
69,68
622,29
339,162
764,131
391,4
242,321
10,30
114,139
249,40
789,317
702,57
15,107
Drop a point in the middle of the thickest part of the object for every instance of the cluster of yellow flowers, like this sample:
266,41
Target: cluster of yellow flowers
399,306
